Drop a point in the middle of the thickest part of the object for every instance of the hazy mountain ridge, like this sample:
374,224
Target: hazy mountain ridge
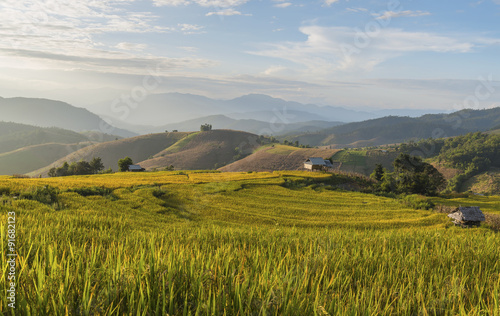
172,108
50,113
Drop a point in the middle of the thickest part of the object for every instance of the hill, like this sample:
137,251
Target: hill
14,136
138,148
50,113
393,129
27,159
277,157
205,150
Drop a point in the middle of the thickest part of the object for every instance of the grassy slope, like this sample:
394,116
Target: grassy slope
138,148
237,243
277,157
203,150
27,159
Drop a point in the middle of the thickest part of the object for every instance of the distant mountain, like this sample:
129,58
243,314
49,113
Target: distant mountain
172,108
50,113
394,129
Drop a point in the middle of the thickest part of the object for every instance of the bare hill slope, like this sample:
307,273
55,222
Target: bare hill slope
277,157
204,150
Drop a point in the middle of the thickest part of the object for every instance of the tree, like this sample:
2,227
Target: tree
96,165
52,172
206,127
411,176
124,163
378,173
414,176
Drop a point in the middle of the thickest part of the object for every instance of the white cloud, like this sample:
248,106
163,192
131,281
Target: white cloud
203,3
357,9
330,2
387,15
226,12
189,49
283,5
331,49
63,35
131,46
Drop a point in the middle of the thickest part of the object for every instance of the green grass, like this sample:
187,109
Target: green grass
281,243
179,145
488,204
351,157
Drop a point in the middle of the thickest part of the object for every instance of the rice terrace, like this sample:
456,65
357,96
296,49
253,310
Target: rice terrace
267,243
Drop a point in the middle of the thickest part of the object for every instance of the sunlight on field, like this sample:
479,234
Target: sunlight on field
267,243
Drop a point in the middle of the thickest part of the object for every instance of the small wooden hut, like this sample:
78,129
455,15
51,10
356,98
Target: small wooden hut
467,216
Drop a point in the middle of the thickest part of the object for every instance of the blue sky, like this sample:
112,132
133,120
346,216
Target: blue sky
358,54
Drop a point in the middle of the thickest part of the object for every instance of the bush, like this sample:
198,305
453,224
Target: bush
89,191
4,190
47,195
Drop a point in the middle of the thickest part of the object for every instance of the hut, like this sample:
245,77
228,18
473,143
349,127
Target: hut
317,163
135,168
314,163
467,216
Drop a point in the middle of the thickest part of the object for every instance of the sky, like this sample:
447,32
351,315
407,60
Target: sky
356,54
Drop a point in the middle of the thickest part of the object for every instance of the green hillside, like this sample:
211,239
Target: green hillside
30,158
14,136
392,129
279,243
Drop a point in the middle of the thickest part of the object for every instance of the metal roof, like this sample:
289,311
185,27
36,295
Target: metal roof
134,167
317,161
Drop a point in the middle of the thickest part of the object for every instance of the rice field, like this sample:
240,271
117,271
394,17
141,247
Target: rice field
198,243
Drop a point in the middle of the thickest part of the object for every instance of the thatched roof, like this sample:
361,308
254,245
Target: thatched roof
468,214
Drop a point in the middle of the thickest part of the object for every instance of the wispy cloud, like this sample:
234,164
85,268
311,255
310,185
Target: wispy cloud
283,5
391,14
357,9
64,35
324,50
330,2
203,3
227,12
131,46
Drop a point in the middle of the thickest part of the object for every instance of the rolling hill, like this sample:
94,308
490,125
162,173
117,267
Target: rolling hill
14,136
24,148
50,113
27,159
277,157
138,148
204,150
